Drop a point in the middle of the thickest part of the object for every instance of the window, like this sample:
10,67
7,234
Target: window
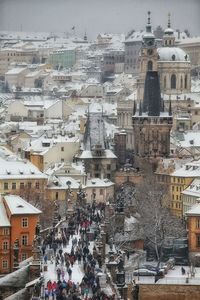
181,82
185,81
24,222
25,240
101,191
165,82
173,81
24,256
62,149
108,167
6,231
96,167
13,185
21,185
37,185
5,245
198,240
5,185
176,197
56,195
197,223
172,188
5,264
150,65
29,185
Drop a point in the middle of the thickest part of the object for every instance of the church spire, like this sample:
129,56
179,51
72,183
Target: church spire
148,37
169,20
148,26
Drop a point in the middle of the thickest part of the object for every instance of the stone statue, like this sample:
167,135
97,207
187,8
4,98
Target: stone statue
16,251
37,229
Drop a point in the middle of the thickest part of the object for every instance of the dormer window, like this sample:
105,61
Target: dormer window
173,57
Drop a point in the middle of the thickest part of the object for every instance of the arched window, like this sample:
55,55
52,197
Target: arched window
150,65
185,81
165,82
170,42
181,82
173,81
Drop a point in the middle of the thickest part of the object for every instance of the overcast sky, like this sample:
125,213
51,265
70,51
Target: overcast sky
94,16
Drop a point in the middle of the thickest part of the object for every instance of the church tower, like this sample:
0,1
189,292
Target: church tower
169,37
148,56
151,124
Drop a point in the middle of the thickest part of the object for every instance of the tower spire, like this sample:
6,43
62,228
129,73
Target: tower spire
169,20
148,26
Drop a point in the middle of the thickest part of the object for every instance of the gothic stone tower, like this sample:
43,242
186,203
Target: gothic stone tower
151,124
148,57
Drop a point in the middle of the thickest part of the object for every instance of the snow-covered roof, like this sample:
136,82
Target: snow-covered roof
105,154
193,189
194,211
14,168
60,182
15,71
44,143
97,182
172,54
3,215
191,169
19,206
136,36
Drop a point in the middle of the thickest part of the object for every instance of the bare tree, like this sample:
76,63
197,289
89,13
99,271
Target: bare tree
38,199
155,217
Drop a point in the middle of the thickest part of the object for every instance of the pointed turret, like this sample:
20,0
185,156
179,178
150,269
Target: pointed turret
149,37
169,37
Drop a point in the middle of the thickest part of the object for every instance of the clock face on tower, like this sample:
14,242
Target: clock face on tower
150,51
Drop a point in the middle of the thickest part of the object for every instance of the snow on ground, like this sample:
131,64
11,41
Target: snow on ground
77,270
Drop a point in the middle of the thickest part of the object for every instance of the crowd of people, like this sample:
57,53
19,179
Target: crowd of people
71,245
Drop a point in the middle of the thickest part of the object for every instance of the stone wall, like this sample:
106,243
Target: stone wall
169,292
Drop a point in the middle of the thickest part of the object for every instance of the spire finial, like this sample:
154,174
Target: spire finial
149,17
169,20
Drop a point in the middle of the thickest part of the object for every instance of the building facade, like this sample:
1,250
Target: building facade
20,219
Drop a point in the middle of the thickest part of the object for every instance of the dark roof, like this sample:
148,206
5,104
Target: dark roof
152,97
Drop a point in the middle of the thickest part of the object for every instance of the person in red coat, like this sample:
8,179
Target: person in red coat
49,287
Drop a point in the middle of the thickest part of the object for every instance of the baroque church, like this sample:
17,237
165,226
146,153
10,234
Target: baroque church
173,69
171,62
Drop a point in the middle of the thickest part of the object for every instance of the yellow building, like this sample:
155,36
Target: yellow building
19,176
180,180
